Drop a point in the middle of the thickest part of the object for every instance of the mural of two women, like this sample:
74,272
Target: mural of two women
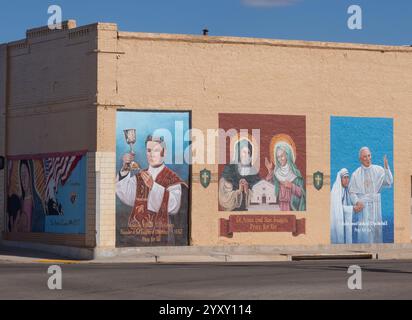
241,188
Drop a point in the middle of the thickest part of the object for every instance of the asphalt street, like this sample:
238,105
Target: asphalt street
281,280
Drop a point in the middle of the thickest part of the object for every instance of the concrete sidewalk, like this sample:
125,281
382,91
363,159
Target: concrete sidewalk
19,252
229,254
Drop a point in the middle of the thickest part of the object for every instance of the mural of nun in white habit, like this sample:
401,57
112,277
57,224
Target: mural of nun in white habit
342,210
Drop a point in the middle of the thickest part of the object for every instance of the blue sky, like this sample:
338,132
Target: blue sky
384,21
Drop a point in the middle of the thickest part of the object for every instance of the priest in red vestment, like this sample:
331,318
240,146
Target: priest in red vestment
155,194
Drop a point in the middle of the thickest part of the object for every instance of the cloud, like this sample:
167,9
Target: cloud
269,3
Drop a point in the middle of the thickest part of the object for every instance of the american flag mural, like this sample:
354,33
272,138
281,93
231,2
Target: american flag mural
57,171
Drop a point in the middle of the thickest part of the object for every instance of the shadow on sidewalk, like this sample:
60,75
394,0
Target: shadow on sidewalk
20,254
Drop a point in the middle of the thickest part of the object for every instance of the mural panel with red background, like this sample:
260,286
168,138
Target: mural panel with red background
269,126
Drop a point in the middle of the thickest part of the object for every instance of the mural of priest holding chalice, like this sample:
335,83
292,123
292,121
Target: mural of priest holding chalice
154,194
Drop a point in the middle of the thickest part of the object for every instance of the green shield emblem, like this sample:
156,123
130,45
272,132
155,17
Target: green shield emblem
318,180
205,177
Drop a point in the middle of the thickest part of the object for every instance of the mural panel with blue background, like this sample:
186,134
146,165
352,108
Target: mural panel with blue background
47,194
174,128
348,136
72,197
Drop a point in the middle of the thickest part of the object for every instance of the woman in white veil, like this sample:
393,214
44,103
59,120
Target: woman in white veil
341,209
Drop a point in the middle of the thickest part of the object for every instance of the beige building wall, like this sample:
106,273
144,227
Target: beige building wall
51,105
209,75
52,91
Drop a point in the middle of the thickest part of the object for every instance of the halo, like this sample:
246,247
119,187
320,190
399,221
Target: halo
240,137
282,139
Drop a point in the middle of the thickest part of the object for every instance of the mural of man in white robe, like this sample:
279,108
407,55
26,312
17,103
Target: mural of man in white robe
365,190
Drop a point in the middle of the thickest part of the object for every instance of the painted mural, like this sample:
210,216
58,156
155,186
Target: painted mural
47,194
264,171
362,188
152,188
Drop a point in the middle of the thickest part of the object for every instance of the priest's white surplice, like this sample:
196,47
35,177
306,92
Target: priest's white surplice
126,191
